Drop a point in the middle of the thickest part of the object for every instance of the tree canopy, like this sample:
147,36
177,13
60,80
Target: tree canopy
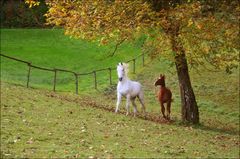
209,31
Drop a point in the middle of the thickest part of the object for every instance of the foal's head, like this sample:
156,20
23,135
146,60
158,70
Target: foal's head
160,81
122,70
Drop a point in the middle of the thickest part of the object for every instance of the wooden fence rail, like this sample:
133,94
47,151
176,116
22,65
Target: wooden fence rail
75,74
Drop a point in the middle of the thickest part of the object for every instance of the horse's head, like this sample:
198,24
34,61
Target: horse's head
122,69
160,81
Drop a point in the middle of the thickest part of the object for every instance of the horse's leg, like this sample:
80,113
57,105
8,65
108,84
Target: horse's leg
163,109
134,106
168,109
127,103
141,99
119,96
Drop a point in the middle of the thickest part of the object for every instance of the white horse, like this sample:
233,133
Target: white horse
129,89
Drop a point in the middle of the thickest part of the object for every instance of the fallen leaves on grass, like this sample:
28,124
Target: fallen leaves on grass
88,102
30,141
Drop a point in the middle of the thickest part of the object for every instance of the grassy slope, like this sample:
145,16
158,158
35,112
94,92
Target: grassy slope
50,48
217,95
38,123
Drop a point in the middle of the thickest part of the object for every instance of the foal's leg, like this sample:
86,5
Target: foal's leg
128,103
119,96
163,109
134,106
168,109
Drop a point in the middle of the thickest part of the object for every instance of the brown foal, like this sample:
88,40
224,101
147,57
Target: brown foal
164,96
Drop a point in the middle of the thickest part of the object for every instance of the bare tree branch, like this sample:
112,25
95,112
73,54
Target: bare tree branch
116,47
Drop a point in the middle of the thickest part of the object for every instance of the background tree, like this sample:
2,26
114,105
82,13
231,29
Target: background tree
192,32
15,13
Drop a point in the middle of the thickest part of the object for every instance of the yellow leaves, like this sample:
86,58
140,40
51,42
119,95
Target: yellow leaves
32,3
229,32
190,22
82,13
198,25
51,10
100,18
206,49
103,41
138,28
111,35
107,21
195,23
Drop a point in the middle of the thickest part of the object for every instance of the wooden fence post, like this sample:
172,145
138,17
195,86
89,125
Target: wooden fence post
55,79
95,79
134,66
28,76
110,75
76,77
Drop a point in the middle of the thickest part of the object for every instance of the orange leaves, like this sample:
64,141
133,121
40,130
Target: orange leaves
190,22
110,21
199,26
210,38
94,19
103,41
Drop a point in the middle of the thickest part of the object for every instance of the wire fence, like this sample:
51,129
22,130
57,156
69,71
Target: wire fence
75,74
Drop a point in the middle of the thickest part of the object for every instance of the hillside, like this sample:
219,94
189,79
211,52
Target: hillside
37,122
40,123
50,48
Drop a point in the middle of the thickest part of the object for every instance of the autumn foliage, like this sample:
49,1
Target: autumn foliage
209,33
187,32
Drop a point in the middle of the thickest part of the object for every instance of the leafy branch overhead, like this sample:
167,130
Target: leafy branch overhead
206,35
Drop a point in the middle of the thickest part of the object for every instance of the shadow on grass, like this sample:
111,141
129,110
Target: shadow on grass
153,117
230,131
211,128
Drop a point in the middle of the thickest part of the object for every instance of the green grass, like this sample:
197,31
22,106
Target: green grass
39,123
52,49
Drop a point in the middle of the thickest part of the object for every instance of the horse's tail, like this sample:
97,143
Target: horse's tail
141,99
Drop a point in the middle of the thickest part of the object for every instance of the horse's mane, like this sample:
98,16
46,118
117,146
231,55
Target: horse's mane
125,66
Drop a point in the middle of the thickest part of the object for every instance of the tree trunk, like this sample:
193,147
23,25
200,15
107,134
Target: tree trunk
189,105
